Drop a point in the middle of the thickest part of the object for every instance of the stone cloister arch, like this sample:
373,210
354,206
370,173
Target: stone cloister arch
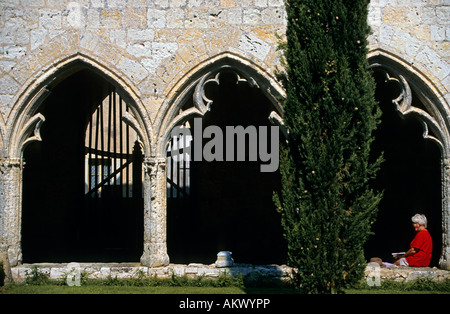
190,99
195,79
20,126
434,119
433,116
24,127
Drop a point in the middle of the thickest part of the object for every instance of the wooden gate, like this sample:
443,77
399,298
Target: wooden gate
113,177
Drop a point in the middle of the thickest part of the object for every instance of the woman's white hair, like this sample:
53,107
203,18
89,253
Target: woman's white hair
420,219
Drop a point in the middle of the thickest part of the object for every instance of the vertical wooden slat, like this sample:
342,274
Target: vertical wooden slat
114,154
111,92
127,145
121,145
175,166
96,163
90,156
184,164
169,169
179,164
102,142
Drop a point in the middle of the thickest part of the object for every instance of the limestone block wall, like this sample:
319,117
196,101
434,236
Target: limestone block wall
154,44
416,31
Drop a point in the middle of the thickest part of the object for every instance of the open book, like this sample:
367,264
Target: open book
397,254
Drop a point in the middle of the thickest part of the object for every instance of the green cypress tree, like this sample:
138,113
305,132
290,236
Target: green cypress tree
326,203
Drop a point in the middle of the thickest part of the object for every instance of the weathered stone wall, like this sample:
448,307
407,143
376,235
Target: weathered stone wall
155,43
151,43
416,31
151,48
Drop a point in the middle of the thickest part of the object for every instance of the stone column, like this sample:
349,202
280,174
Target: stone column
10,209
444,262
155,186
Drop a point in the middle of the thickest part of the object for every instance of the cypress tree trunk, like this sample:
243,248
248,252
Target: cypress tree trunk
326,204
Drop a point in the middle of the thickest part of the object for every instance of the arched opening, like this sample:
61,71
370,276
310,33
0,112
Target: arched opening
217,203
82,184
410,177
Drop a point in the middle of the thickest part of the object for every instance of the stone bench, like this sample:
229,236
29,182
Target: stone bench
58,271
133,270
407,274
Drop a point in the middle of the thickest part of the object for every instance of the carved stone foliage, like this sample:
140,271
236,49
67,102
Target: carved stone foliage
202,101
31,132
430,118
6,164
154,165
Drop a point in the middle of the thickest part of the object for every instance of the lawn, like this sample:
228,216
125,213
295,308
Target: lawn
38,283
54,289
101,289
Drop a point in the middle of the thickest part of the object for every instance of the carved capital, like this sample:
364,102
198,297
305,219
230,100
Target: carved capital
154,165
6,164
445,163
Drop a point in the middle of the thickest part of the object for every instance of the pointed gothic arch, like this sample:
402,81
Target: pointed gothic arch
420,98
189,194
24,128
32,96
193,82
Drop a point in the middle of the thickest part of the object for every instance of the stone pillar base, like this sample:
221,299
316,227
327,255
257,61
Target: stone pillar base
155,255
6,266
444,264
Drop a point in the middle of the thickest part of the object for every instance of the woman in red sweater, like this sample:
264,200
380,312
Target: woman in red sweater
419,253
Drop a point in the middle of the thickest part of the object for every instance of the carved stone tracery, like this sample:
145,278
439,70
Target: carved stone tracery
202,104
201,101
11,189
403,105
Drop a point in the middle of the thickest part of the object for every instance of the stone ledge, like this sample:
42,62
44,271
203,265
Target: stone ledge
406,274
133,270
255,272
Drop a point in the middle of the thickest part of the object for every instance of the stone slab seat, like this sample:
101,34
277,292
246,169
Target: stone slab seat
132,270
283,272
405,274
